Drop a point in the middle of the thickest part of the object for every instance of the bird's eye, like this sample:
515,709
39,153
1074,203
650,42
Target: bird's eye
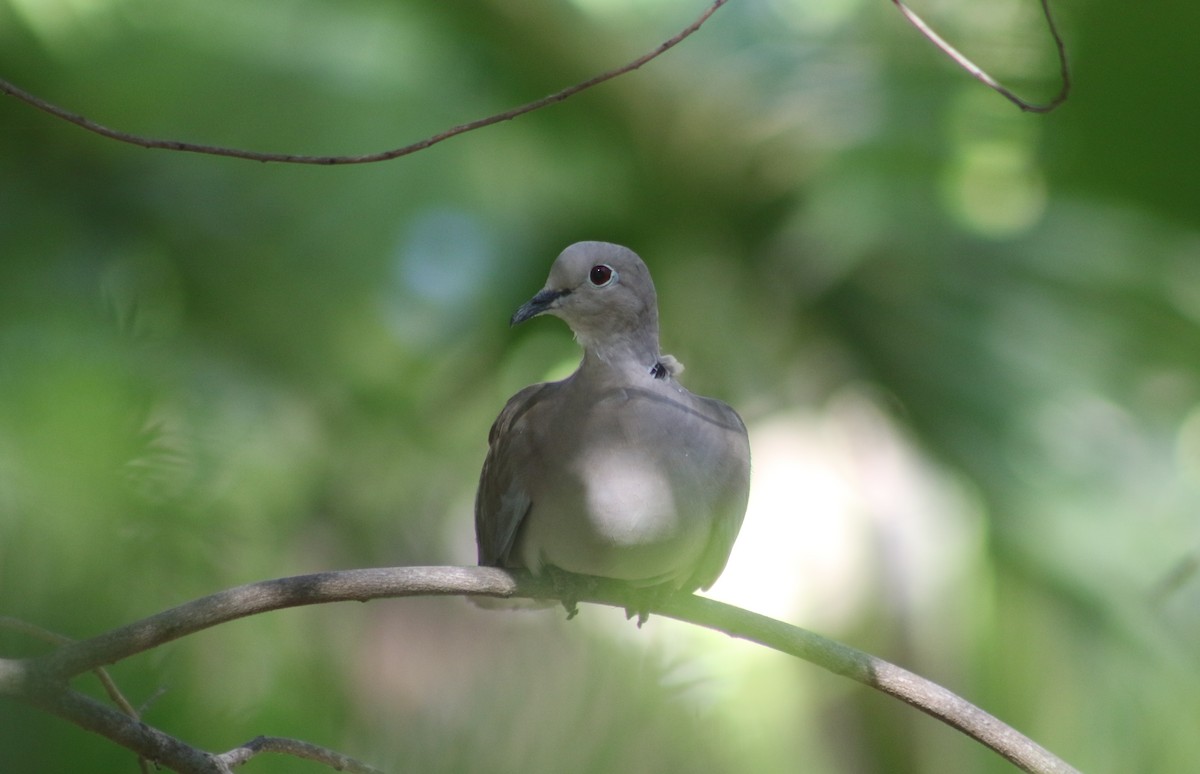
601,275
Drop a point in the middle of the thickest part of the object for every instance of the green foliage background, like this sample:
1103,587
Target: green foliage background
216,371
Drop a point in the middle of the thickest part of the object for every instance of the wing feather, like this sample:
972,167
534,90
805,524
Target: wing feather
502,500
730,508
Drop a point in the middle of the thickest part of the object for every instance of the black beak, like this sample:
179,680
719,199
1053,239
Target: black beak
536,305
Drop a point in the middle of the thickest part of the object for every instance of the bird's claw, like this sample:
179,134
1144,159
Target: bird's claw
642,613
565,588
571,607
646,599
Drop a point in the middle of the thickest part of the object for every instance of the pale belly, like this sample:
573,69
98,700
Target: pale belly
615,515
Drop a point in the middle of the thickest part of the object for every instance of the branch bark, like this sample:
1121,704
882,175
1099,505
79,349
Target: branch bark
961,60
297,749
290,158
42,681
981,75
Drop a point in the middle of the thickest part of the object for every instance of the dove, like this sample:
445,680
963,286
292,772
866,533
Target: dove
617,471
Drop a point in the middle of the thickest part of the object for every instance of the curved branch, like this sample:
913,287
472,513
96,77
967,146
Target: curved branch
395,153
319,588
361,585
981,75
883,676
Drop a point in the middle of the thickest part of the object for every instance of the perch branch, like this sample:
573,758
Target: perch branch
977,72
79,656
395,153
883,676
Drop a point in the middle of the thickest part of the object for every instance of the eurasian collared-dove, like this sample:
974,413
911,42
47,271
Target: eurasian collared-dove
617,470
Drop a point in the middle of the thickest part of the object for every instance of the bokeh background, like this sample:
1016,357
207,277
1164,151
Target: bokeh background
966,341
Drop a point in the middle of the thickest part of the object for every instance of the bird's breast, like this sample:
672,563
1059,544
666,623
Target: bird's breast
614,511
626,496
621,490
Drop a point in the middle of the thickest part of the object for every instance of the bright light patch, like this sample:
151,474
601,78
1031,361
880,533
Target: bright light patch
60,21
846,516
812,19
797,538
1187,446
626,8
994,189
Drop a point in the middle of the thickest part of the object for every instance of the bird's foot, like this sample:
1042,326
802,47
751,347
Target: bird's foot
645,599
566,588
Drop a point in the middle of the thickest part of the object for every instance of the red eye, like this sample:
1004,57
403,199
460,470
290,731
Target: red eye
601,275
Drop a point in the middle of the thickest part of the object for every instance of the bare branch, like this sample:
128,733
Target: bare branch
110,685
318,588
981,75
378,583
54,638
297,749
149,743
895,681
395,153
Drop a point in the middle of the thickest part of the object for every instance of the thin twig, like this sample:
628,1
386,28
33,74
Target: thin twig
377,583
395,153
54,638
110,685
297,749
148,742
982,76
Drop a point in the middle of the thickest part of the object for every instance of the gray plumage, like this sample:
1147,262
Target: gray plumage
617,470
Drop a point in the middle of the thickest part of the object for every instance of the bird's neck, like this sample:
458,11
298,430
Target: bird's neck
629,358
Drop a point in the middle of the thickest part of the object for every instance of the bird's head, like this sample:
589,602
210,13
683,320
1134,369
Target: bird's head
604,293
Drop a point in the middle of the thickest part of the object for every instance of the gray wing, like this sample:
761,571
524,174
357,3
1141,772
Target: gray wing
502,500
734,492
